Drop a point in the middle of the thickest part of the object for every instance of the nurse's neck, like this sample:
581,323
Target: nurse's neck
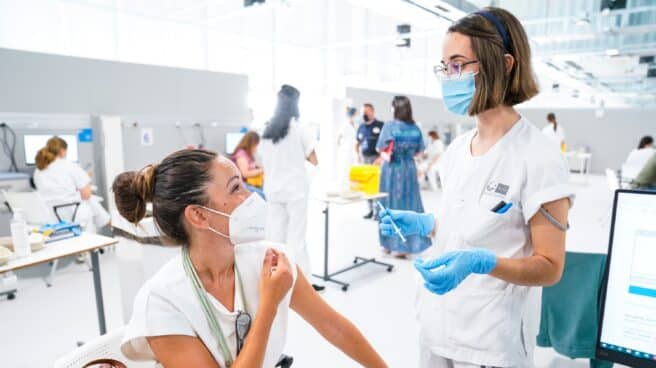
491,126
213,257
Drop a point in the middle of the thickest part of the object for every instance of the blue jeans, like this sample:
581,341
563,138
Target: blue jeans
255,190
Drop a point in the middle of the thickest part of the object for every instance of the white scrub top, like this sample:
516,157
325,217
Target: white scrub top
482,321
60,181
285,175
636,161
167,305
557,136
434,149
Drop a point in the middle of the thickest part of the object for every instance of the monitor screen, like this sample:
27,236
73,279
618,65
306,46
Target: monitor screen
232,140
628,328
34,142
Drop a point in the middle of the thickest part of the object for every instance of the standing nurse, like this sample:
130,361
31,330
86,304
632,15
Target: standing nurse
501,227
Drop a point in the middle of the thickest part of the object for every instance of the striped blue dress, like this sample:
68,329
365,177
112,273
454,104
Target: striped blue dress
399,178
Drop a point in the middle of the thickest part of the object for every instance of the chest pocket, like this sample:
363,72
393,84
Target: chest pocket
493,230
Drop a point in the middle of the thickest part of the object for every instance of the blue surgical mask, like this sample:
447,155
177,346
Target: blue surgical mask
458,93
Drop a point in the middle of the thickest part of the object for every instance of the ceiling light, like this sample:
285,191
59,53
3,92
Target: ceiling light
612,52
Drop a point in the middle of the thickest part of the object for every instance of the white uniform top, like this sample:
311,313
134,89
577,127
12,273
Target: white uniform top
636,161
167,305
434,149
557,136
482,320
285,176
61,181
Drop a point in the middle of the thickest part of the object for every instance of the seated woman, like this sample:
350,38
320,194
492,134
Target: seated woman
195,311
60,181
244,157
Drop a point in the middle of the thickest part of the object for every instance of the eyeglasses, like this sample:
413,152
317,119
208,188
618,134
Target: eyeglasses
451,69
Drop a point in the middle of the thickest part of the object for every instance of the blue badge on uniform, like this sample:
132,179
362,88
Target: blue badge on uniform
85,135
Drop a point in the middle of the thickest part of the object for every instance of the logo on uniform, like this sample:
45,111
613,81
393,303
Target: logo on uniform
376,130
497,188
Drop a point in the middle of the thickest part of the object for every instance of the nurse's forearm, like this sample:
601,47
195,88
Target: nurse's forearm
252,355
535,270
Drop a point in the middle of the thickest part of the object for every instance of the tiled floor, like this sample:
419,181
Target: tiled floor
43,323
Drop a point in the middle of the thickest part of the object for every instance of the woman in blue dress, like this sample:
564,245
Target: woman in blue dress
399,174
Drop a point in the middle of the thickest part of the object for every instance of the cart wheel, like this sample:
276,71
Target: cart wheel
11,296
355,260
345,287
390,268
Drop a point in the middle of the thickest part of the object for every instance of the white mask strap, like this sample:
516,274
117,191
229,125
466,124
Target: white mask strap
217,232
215,211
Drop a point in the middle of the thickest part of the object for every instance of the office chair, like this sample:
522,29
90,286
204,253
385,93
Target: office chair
104,349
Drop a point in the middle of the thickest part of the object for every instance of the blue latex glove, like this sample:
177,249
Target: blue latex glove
447,271
409,222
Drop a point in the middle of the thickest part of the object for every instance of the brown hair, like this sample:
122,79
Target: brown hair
551,117
247,142
494,85
49,153
180,180
402,109
433,134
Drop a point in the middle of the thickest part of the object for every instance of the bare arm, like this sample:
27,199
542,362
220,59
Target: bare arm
331,325
178,351
85,192
545,266
312,158
242,164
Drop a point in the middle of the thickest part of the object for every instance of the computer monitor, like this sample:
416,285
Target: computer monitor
34,142
627,331
232,140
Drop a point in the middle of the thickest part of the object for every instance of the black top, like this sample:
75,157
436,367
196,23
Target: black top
368,137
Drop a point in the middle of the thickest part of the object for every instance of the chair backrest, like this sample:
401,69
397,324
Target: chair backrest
613,180
107,346
34,208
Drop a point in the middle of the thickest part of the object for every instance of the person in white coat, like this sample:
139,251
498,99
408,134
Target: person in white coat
60,181
554,131
347,151
285,148
638,157
501,226
428,167
225,300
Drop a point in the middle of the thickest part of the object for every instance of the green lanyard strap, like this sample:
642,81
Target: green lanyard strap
206,305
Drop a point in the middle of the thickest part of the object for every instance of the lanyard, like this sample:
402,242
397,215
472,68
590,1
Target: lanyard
206,305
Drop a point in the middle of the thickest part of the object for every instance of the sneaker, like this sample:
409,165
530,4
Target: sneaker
369,215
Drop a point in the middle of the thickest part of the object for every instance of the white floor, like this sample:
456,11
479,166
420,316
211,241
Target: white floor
43,323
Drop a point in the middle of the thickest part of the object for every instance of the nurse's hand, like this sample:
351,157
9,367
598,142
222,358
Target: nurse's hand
409,222
276,278
446,272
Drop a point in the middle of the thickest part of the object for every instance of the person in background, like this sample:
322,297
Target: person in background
367,138
646,178
227,278
60,181
285,148
346,153
399,176
638,157
431,156
555,132
244,157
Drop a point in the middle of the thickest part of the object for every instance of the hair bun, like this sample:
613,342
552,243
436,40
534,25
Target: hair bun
132,191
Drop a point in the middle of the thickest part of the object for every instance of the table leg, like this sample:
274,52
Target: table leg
97,286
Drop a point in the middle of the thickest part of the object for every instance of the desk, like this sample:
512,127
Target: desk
52,251
357,261
583,159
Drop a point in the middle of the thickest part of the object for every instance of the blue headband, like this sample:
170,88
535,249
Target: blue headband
500,28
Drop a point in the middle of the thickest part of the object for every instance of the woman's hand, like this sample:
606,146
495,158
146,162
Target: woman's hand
409,222
446,272
276,278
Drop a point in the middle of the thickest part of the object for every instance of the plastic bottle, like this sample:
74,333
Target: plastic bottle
19,236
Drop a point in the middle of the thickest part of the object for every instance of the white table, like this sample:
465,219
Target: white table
86,242
357,261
